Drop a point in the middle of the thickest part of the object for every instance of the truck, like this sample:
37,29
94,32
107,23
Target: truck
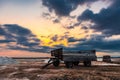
72,58
106,58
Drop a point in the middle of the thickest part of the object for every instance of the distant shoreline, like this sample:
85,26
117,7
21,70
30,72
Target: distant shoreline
30,57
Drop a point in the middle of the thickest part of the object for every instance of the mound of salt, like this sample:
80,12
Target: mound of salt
7,60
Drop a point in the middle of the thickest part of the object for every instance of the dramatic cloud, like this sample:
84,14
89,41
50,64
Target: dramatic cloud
76,26
19,38
96,42
64,7
100,45
72,39
106,21
6,41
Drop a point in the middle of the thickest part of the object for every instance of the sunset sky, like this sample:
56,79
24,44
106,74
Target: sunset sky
30,27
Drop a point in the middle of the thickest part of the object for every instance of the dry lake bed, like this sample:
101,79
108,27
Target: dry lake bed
34,71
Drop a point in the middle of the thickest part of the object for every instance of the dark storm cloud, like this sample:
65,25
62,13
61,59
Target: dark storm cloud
72,39
64,7
23,38
2,32
86,15
18,30
106,21
96,42
6,41
101,45
25,41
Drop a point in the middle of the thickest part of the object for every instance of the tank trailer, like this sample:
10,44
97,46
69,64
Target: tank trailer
71,58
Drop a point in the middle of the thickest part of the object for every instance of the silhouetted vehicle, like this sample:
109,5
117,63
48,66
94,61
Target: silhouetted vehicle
72,58
107,58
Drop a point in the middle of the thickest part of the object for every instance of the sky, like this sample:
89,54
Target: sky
39,26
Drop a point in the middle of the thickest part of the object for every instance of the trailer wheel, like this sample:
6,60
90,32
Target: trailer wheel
69,64
87,63
76,63
56,62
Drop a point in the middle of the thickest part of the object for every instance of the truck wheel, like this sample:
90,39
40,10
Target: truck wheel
76,63
56,62
69,64
87,63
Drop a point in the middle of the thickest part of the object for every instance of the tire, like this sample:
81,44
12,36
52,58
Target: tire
56,62
76,63
69,64
87,63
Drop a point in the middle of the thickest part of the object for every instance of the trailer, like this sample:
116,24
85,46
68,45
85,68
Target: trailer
71,58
